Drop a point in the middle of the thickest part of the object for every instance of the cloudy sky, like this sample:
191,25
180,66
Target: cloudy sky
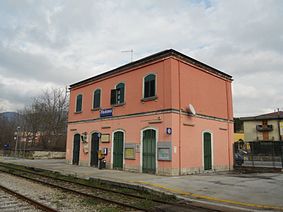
54,43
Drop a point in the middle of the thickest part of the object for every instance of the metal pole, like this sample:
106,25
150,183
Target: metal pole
20,145
273,152
25,143
252,155
132,53
16,146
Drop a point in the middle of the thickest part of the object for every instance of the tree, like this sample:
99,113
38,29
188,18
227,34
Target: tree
45,120
7,130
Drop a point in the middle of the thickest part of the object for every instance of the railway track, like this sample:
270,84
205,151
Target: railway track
112,196
12,201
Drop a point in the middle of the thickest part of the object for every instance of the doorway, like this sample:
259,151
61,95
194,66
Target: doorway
149,151
76,149
207,156
94,149
118,149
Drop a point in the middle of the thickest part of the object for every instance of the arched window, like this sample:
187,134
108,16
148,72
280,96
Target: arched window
96,98
118,94
79,103
149,86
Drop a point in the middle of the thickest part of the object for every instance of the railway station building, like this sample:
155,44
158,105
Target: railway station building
165,114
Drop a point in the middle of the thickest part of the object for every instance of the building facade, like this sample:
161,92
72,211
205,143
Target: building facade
266,127
165,114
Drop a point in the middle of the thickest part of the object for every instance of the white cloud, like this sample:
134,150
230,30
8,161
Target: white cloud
61,42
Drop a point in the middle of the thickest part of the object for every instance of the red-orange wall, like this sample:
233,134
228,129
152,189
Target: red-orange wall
209,94
133,92
178,85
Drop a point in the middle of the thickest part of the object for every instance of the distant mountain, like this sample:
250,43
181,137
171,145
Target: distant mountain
11,116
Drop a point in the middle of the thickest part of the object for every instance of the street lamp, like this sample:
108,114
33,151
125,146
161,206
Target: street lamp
16,146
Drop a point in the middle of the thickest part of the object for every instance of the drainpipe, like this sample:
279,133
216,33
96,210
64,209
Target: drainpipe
278,124
229,155
180,110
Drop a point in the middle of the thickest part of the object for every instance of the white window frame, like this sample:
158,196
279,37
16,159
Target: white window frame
100,98
76,100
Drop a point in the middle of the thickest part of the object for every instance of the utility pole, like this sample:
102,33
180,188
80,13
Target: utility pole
132,53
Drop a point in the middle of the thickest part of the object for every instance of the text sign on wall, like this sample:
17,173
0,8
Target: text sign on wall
164,154
168,131
106,112
129,153
105,138
164,150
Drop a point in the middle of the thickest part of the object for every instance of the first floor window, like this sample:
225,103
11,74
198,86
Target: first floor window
149,86
96,98
118,94
79,103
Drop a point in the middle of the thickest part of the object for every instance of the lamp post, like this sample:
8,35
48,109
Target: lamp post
17,139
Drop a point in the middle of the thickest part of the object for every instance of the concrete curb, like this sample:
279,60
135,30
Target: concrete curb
153,187
194,196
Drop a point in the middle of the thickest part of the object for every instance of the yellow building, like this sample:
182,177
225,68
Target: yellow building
238,137
266,127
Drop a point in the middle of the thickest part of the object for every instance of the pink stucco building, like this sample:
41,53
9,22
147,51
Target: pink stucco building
141,115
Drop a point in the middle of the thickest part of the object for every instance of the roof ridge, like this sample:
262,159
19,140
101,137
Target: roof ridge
150,58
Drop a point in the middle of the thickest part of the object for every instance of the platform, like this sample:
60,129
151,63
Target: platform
260,191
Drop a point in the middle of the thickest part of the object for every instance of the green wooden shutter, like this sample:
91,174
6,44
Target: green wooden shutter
146,89
149,151
207,151
120,92
96,101
152,87
79,103
113,97
149,86
118,148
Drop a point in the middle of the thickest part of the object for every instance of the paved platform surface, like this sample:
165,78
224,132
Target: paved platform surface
261,191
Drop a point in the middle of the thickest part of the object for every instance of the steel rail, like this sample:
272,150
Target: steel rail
88,186
35,203
113,191
77,192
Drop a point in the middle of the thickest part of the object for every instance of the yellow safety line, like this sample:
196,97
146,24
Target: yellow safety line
184,193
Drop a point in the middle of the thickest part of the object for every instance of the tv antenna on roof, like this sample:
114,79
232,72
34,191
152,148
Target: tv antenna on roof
132,53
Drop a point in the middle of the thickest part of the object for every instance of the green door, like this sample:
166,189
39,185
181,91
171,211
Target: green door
207,151
149,151
76,149
118,148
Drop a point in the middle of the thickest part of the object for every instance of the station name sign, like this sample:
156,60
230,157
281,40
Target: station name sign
106,112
